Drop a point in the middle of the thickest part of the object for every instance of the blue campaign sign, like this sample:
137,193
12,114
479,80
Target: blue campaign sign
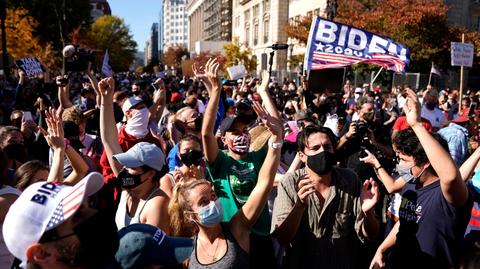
333,45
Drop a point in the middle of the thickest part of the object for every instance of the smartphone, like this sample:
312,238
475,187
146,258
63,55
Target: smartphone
362,153
471,110
27,116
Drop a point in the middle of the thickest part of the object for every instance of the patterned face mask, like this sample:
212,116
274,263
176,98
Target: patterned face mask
241,143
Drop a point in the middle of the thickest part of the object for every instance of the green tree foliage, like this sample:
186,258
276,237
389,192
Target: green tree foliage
111,32
234,55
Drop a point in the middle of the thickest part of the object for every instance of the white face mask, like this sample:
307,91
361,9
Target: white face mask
138,124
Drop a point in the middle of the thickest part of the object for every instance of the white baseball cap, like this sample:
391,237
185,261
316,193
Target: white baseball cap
131,102
140,154
42,207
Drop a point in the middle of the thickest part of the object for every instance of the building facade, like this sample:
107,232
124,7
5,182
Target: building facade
257,24
464,13
209,20
175,23
160,33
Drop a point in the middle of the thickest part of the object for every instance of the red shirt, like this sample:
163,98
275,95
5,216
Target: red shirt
402,124
126,142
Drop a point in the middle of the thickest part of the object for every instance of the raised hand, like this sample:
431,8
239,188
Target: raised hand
369,197
106,87
211,69
274,125
54,135
200,73
413,110
370,159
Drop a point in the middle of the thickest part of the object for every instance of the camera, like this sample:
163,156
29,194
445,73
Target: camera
77,59
362,128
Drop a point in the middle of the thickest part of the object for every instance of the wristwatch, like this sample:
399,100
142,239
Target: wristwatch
274,145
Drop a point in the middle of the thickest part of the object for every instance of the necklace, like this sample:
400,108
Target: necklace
214,256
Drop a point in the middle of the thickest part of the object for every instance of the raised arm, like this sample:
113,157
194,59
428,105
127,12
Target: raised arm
159,100
93,80
63,92
470,164
55,139
453,188
243,221
390,184
80,167
265,95
210,79
108,130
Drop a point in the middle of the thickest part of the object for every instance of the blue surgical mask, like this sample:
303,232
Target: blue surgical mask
211,214
404,172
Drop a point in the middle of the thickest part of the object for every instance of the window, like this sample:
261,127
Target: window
255,11
255,34
247,36
266,30
316,12
266,6
247,15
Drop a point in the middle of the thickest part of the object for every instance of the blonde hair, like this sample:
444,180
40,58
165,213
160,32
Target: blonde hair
179,204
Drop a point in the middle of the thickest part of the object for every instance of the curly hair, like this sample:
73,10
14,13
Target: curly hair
179,204
407,143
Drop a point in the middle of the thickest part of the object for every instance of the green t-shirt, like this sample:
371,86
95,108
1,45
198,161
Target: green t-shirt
234,180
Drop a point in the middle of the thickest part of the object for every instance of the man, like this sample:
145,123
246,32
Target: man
51,226
362,134
456,136
322,212
430,110
234,172
435,206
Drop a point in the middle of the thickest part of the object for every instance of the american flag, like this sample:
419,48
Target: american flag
323,60
68,205
334,45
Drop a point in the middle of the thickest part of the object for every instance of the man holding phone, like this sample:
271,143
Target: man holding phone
322,213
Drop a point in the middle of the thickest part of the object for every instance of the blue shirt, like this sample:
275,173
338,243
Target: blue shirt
172,159
457,138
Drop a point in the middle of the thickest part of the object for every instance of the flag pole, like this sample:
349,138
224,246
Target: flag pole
461,75
430,77
375,78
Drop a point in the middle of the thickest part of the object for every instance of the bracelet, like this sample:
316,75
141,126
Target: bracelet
378,168
274,145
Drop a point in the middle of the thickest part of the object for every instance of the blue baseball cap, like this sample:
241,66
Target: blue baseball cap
143,245
141,154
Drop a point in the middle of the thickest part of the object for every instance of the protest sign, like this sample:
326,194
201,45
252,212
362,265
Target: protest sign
236,72
187,68
333,45
462,54
31,66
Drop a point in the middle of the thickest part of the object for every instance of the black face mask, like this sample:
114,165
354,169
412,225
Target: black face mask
98,241
193,157
128,180
15,152
321,163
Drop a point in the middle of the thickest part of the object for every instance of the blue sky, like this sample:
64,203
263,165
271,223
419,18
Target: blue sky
139,15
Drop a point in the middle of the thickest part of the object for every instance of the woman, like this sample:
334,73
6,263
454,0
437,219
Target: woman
193,165
29,173
137,170
195,206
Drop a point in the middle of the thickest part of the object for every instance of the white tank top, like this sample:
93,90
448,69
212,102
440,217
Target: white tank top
122,218
6,259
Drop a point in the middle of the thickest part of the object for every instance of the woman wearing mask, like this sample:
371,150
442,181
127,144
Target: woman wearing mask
193,166
138,171
195,206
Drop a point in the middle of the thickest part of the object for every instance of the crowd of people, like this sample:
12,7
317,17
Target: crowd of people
137,171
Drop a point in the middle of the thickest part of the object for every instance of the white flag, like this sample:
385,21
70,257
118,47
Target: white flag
435,70
106,68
